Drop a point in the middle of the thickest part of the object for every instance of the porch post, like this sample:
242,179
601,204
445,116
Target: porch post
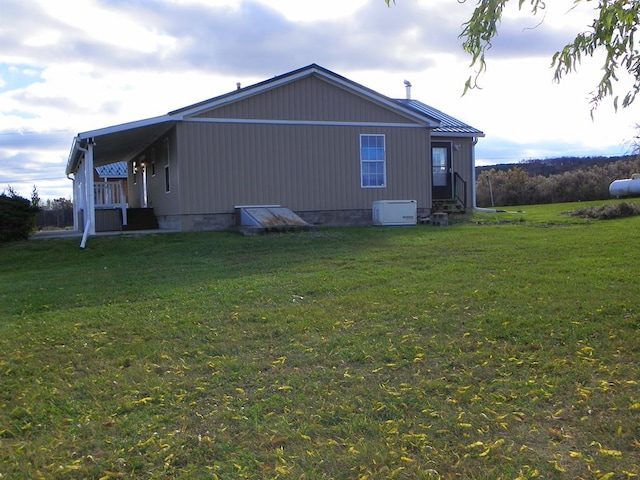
90,204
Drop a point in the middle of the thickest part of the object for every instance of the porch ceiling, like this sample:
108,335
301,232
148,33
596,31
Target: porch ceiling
114,145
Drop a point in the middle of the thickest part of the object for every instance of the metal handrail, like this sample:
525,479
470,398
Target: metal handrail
460,184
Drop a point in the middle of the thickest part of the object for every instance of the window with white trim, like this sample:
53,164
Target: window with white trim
373,161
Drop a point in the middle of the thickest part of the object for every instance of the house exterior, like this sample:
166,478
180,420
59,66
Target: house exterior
322,145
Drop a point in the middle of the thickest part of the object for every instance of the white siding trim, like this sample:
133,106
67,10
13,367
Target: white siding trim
249,121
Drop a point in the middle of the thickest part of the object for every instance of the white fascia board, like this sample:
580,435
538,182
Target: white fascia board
457,134
72,156
253,121
125,126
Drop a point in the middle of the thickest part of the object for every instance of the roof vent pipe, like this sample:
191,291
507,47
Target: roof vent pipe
407,84
238,86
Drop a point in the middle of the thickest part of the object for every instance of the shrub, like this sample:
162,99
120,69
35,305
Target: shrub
609,211
17,217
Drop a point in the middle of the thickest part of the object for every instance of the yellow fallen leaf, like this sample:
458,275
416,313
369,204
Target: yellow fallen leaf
110,474
611,453
485,453
148,441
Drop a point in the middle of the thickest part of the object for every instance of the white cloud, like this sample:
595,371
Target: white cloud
296,10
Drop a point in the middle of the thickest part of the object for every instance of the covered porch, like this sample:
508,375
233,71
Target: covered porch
99,205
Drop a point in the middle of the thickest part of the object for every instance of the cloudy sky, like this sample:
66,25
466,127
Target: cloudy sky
69,66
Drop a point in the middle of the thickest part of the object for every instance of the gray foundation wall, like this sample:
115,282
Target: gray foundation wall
227,221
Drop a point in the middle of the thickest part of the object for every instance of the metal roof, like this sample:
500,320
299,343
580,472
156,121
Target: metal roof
113,170
448,125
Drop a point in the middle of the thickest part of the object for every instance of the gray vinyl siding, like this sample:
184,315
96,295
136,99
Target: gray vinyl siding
165,203
133,188
306,168
310,98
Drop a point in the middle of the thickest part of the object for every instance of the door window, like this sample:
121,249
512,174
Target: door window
440,166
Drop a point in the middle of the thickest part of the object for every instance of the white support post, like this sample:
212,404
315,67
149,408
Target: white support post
90,207
91,203
123,205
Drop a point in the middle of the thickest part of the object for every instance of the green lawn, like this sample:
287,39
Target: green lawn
505,346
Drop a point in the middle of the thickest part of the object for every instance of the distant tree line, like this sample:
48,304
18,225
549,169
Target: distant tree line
551,181
56,213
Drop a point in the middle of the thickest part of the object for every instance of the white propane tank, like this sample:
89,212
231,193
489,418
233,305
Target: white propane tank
628,187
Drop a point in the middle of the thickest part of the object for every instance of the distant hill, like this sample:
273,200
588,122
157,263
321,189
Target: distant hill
566,179
556,166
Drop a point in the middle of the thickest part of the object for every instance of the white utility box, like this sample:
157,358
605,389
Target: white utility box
395,212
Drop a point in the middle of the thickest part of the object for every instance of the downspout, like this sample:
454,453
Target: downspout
473,179
75,213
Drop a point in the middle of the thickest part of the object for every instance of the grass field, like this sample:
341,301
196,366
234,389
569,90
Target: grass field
505,346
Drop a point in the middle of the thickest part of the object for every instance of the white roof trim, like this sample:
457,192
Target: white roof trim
253,121
125,126
456,134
